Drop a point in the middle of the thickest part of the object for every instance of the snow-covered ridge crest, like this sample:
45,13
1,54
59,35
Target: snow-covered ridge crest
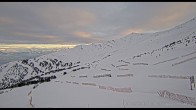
83,55
114,65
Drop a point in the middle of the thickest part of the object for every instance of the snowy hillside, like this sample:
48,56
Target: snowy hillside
138,70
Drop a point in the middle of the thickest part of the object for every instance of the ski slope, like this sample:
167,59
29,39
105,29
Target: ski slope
138,70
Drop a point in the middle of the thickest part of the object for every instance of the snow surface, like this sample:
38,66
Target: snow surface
95,74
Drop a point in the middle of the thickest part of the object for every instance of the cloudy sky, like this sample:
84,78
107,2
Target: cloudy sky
80,23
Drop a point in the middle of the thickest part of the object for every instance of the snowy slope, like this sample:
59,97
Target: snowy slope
138,70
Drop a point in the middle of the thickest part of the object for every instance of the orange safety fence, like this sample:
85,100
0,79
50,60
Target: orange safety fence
90,84
177,97
125,75
75,82
127,90
169,76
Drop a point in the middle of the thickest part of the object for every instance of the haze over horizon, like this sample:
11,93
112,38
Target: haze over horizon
73,23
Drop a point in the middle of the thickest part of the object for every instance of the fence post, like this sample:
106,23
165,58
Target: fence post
123,103
192,82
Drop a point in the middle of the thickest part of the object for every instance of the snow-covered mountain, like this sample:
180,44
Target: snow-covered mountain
138,70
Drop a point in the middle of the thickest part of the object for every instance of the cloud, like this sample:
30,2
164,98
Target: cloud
66,18
153,17
89,22
23,37
7,21
131,30
47,37
82,34
169,15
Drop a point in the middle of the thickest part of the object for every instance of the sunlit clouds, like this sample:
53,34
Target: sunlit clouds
66,18
47,37
129,31
170,16
6,20
82,34
87,22
15,47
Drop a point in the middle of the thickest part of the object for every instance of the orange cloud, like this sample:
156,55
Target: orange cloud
65,18
4,47
170,15
6,20
82,34
34,35
131,30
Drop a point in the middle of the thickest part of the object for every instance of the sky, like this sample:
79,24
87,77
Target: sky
73,23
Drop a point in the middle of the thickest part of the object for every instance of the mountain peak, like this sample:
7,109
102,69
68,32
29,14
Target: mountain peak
138,70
